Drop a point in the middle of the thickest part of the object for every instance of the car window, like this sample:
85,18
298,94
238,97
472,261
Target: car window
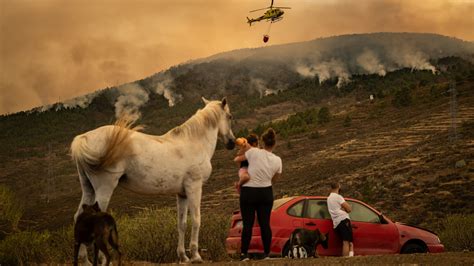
360,213
296,209
318,209
277,203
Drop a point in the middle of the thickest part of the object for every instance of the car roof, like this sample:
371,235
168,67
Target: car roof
323,197
296,198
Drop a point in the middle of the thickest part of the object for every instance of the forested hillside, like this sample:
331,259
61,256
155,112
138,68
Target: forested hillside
407,151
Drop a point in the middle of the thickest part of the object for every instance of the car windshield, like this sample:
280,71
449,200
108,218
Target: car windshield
277,203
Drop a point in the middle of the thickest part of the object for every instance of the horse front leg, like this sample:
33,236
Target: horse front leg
182,205
194,201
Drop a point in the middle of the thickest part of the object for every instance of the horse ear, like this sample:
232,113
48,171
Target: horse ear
206,101
224,102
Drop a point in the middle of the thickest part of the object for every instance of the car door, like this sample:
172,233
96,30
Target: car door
317,216
371,234
295,212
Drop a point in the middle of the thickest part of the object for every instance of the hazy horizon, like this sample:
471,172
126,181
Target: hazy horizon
52,51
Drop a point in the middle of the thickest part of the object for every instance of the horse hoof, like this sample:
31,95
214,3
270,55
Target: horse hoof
196,258
183,260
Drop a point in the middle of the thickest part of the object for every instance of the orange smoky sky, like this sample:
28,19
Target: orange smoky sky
53,50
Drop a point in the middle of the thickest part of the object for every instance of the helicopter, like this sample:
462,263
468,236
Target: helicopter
273,14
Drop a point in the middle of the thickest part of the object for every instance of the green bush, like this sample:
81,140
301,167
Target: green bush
297,123
323,115
402,98
61,245
457,233
212,236
10,210
25,247
151,235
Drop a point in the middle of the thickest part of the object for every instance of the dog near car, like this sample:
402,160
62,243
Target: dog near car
303,243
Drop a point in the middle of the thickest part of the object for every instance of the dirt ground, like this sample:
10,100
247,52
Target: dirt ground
448,258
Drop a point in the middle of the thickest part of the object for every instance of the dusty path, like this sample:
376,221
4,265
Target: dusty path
448,258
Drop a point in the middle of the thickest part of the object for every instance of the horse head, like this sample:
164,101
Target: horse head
224,124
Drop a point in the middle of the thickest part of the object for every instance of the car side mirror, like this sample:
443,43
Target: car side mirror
382,219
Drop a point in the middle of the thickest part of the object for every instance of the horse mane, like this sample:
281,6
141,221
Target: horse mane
196,125
117,145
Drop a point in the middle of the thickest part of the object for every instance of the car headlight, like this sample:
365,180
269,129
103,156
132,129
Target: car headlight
439,240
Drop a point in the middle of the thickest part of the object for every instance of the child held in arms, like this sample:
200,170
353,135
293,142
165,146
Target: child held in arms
244,143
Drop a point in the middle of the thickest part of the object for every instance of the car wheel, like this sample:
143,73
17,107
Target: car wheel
413,248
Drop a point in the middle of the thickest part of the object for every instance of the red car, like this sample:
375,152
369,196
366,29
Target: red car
373,232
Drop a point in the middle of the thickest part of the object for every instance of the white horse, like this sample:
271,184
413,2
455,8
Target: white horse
178,162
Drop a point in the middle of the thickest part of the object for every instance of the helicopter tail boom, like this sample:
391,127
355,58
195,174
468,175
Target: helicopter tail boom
249,21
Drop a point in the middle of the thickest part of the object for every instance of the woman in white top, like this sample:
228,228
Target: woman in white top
256,194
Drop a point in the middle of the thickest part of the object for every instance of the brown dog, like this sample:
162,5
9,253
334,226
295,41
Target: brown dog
303,243
95,226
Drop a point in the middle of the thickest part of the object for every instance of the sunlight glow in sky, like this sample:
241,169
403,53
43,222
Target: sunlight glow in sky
53,50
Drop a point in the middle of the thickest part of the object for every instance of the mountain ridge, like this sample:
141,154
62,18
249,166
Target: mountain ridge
330,57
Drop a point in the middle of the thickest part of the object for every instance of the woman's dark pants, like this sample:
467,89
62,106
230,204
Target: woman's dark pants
256,200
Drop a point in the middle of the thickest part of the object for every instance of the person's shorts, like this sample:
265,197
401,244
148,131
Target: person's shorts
344,229
243,171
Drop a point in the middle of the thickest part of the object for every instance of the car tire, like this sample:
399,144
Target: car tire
411,248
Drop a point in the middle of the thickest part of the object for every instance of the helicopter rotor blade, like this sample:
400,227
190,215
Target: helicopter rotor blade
282,7
259,9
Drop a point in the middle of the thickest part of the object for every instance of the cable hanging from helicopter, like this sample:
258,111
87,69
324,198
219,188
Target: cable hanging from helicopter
273,14
266,36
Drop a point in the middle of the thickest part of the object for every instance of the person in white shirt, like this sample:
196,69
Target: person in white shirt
256,194
339,210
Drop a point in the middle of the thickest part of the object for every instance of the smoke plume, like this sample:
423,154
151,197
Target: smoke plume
326,70
162,86
259,85
370,63
131,98
410,58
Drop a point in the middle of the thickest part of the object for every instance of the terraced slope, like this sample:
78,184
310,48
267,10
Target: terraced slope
400,160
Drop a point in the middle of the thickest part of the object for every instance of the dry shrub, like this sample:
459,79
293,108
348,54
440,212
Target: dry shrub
10,210
61,244
150,235
214,229
458,232
25,247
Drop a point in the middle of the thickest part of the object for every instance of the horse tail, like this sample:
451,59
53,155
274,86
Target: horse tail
117,145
